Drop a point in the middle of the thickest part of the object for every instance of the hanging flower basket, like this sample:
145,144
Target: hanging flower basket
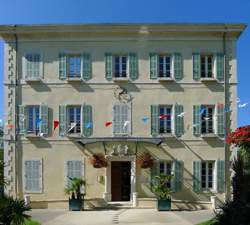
145,161
98,160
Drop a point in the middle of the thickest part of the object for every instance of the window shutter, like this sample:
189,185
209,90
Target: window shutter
220,121
44,115
196,176
62,120
87,118
178,71
220,67
153,65
196,120
178,175
74,169
221,176
108,66
133,66
62,66
196,66
154,171
154,120
179,121
86,66
22,120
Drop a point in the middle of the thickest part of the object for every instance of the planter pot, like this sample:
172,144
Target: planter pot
76,204
164,205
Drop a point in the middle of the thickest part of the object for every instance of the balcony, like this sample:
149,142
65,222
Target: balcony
208,79
165,79
120,79
208,135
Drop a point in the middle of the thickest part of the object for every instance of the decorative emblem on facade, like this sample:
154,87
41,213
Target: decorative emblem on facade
120,150
122,95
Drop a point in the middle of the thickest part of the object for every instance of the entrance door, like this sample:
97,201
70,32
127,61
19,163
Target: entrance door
120,181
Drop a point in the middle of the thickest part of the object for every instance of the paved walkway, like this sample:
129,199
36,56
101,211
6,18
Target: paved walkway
122,216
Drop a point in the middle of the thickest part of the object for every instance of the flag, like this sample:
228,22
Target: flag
243,105
38,121
108,123
56,124
126,123
72,125
202,110
164,116
181,114
145,119
10,126
88,125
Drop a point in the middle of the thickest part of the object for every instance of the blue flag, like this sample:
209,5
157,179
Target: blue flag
38,121
202,110
88,125
145,119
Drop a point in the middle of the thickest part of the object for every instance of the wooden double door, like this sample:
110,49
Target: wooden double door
120,180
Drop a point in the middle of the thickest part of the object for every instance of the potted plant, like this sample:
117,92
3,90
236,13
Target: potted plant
98,160
162,190
145,161
76,199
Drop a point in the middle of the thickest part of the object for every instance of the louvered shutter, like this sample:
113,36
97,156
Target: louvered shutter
179,121
196,176
196,66
133,66
86,67
196,120
62,120
22,120
221,176
178,68
74,170
108,66
153,57
220,66
220,121
44,115
154,120
178,175
62,66
87,122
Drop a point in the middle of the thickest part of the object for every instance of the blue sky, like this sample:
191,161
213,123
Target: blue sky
114,11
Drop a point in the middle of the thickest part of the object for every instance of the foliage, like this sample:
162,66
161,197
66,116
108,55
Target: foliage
161,187
3,181
209,222
145,161
12,211
98,160
31,222
75,188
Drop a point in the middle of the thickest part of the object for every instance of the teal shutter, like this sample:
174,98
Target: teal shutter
86,67
74,169
220,121
179,121
221,176
154,171
196,120
196,66
133,66
62,66
108,66
33,176
196,176
87,119
154,120
62,120
178,175
178,69
220,66
22,120
153,57
44,115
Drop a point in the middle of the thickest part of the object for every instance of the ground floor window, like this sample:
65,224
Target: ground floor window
167,169
207,175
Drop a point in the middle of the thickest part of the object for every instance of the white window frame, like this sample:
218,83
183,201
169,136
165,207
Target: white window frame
207,122
34,107
214,178
68,56
68,107
25,64
171,118
120,65
206,65
164,66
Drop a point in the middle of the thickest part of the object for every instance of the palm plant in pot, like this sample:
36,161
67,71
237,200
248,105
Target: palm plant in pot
76,199
161,188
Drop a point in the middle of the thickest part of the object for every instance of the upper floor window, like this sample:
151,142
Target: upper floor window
32,67
165,116
207,113
206,66
164,69
120,69
167,169
33,114
74,66
74,119
207,177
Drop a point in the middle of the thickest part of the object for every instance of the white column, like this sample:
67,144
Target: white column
133,183
106,194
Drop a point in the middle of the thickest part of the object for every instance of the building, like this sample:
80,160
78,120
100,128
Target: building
120,90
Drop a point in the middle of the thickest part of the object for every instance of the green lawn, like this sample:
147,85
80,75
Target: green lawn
209,222
31,222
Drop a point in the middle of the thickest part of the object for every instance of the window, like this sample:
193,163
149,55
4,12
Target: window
33,113
74,169
167,169
33,66
207,177
121,119
74,66
164,66
206,66
207,119
74,119
33,176
120,69
165,115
